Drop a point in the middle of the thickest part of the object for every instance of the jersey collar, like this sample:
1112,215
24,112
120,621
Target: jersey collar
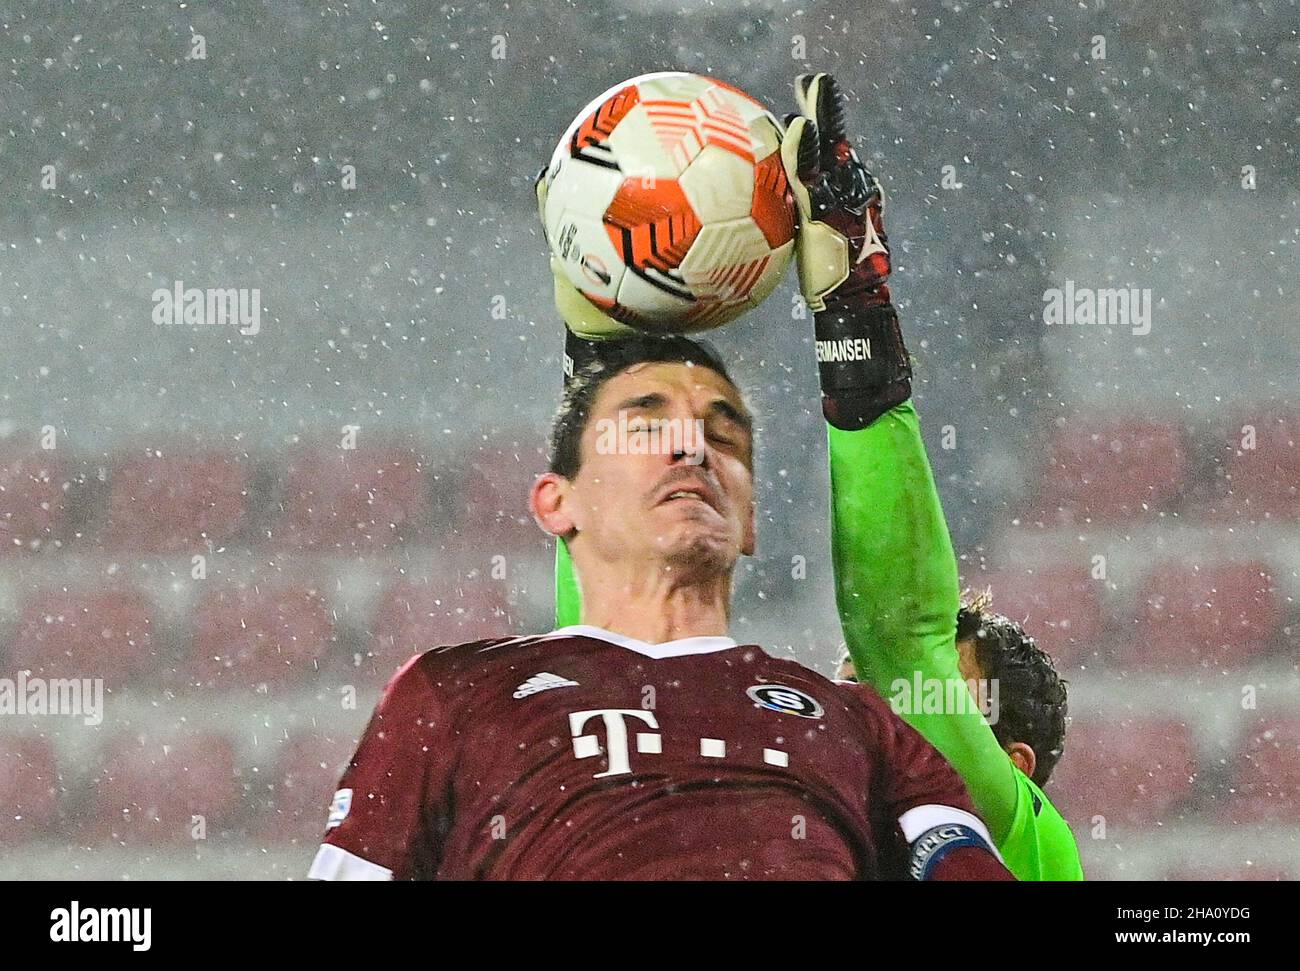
678,648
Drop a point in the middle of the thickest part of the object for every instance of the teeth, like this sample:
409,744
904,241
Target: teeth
683,495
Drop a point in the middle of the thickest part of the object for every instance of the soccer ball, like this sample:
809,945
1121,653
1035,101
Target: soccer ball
667,205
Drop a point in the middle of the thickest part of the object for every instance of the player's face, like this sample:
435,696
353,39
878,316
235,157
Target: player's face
666,469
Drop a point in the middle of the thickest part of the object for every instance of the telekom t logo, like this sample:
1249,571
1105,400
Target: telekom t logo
588,746
651,743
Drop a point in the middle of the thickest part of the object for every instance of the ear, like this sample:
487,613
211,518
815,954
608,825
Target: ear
749,542
1023,757
548,505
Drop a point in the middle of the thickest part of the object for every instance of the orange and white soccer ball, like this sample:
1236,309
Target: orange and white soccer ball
667,204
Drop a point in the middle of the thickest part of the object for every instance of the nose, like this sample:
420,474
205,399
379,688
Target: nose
696,455
688,443
691,446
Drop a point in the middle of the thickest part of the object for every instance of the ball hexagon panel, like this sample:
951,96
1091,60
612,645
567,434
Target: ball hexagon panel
589,138
716,310
773,209
697,115
579,186
726,259
661,147
745,103
654,301
719,185
651,223
772,276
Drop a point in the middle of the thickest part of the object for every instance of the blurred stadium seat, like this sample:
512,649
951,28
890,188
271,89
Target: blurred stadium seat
250,635
1112,471
337,499
86,633
1220,615
30,787
166,503
1059,605
149,788
415,615
1134,772
1265,775
1262,482
494,488
33,505
294,805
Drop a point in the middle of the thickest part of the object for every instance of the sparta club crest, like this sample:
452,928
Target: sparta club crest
788,701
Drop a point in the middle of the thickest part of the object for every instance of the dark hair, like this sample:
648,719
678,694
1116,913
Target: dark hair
1033,706
612,357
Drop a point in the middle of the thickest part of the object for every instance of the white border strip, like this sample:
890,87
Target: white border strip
335,863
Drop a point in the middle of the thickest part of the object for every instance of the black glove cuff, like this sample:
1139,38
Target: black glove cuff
578,353
864,366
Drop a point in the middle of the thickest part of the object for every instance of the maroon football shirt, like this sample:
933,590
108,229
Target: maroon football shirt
583,754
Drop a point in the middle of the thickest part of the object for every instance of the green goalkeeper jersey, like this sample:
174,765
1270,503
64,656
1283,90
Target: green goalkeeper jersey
897,591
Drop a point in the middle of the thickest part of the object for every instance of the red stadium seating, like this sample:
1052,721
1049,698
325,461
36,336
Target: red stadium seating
1058,605
335,499
1262,482
295,805
1265,775
166,503
248,636
1132,771
495,484
1216,616
1098,470
30,785
33,505
149,788
414,616
109,634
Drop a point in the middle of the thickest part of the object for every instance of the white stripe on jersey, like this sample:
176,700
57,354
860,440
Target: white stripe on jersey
335,863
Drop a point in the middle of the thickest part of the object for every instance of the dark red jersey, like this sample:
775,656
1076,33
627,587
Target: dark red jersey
583,754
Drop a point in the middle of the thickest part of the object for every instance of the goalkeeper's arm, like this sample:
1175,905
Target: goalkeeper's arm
895,573
896,589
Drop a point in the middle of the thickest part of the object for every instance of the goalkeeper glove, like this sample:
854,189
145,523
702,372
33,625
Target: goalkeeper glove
842,255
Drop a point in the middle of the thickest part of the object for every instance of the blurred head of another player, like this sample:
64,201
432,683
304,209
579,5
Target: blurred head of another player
651,468
1032,696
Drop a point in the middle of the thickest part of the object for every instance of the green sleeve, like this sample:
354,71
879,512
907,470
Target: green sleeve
568,598
1039,845
896,588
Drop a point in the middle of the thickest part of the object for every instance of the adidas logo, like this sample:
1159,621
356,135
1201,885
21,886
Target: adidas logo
542,682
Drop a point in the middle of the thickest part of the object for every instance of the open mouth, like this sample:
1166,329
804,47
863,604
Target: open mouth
689,494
